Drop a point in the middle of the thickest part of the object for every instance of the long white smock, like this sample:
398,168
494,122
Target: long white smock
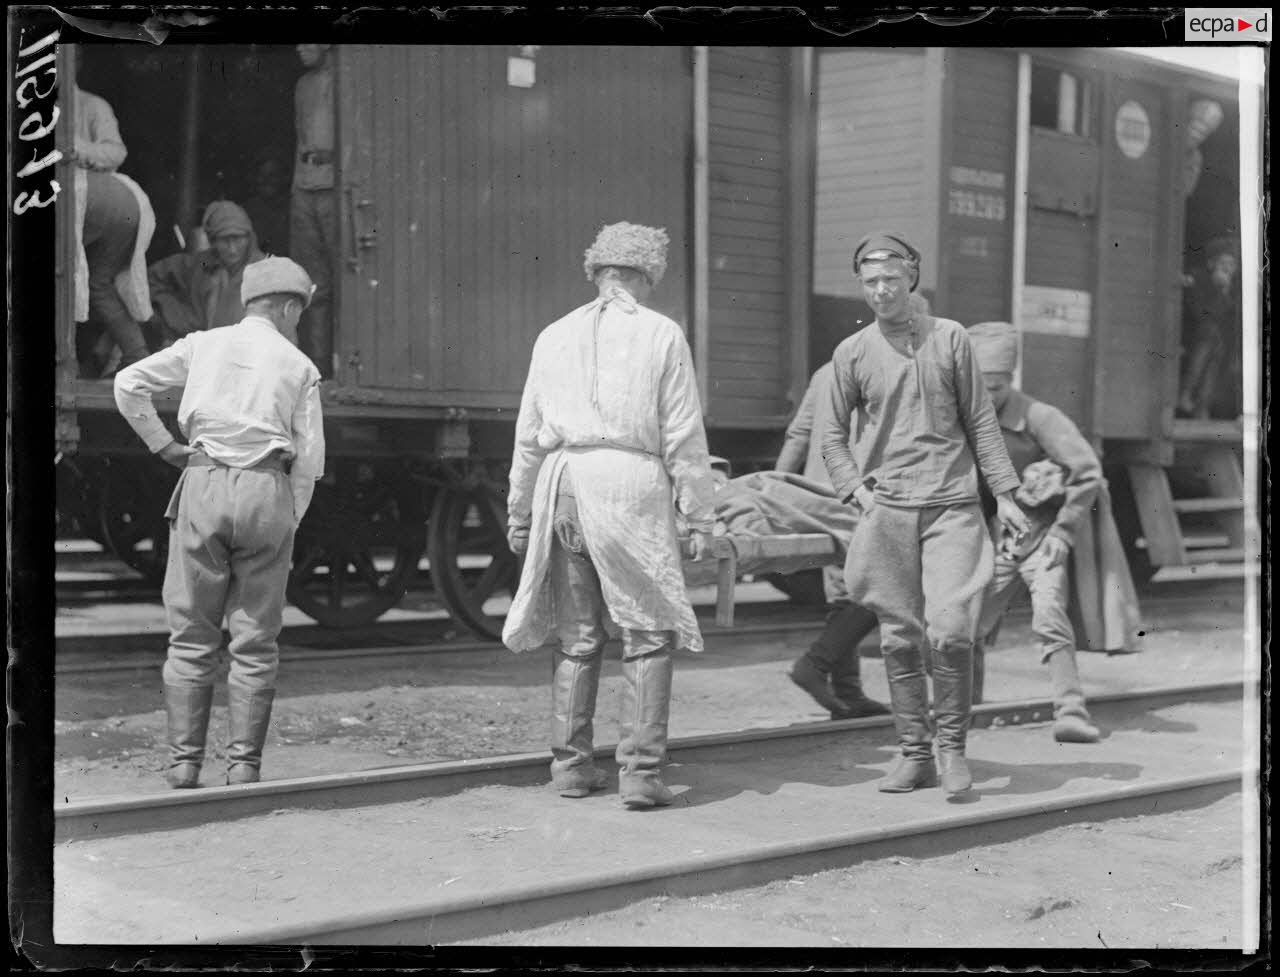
611,397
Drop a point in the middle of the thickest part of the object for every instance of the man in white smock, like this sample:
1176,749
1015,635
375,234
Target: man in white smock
609,443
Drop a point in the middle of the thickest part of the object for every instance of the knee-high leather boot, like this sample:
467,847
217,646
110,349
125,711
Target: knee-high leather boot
187,711
250,715
979,671
643,747
909,697
1071,720
952,699
573,691
830,671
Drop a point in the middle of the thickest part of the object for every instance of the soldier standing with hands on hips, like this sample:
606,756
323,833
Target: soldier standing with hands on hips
250,412
921,555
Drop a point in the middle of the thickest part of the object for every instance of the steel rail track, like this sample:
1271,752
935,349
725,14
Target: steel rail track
83,820
808,621
443,919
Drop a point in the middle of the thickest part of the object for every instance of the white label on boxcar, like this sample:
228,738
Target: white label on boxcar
520,72
1133,129
1057,311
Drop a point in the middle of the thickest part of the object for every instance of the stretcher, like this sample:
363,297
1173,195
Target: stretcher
780,553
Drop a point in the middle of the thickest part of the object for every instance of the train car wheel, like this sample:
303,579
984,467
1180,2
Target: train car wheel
131,519
470,561
357,550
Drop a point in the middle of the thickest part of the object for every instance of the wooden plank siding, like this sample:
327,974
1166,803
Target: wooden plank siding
979,250
873,158
1135,351
483,197
747,163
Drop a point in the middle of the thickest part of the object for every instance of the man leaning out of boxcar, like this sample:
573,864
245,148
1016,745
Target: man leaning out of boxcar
250,412
609,441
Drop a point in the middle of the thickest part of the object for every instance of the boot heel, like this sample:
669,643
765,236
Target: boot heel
909,775
183,776
956,778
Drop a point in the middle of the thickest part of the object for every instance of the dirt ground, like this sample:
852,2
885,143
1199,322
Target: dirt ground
1168,879
352,715
1162,881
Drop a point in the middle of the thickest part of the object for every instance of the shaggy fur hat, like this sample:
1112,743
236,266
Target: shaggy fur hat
629,246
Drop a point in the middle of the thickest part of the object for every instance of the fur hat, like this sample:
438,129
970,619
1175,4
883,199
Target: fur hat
629,246
995,346
275,275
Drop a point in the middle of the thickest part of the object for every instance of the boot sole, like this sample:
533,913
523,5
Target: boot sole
642,803
821,696
899,789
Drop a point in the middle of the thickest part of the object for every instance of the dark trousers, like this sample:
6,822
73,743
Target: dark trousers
111,219
313,239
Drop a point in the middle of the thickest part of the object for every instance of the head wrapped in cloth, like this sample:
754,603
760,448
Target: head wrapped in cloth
1203,118
225,217
626,245
995,346
882,245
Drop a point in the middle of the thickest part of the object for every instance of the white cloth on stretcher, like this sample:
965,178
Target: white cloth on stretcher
131,283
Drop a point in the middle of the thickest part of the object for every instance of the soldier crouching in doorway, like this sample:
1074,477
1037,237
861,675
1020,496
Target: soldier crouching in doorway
609,442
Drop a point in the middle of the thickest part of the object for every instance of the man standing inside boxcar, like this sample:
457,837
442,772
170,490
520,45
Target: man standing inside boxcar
250,412
609,443
920,556
313,220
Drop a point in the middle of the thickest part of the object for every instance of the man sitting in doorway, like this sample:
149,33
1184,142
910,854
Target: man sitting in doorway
193,292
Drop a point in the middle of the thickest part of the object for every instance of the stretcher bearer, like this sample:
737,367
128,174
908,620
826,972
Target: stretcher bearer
609,443
1058,499
921,555
830,671
250,412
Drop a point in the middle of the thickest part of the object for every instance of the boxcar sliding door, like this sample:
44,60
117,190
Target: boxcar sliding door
473,178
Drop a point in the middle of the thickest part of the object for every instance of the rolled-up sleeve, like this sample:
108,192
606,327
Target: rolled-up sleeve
136,384
845,397
1062,441
978,417
684,439
308,446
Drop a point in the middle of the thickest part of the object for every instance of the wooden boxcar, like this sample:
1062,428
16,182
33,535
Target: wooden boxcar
471,181
1044,187
1051,188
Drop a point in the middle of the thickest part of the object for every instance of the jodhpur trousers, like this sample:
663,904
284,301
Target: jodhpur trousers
923,573
230,541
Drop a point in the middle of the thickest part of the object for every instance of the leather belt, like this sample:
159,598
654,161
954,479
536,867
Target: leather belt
316,157
272,462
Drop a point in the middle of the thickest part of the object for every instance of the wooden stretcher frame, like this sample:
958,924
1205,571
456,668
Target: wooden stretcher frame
783,553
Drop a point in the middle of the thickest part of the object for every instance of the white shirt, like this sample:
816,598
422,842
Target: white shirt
248,392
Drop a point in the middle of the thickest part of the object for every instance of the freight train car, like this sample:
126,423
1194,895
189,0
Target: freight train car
1051,188
470,179
1069,191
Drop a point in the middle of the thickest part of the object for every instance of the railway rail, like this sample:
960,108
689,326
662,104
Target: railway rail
456,875
81,655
